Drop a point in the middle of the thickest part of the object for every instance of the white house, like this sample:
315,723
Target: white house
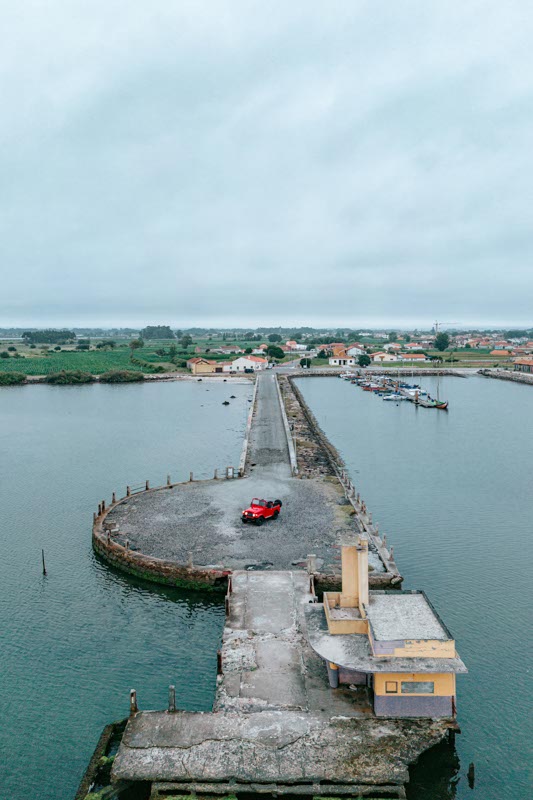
355,350
246,362
337,361
379,358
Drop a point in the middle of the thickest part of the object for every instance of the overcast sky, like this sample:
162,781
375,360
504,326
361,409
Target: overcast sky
245,163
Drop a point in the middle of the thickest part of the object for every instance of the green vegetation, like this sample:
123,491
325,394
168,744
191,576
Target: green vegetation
275,352
12,378
68,377
363,361
121,376
157,332
50,336
442,341
305,362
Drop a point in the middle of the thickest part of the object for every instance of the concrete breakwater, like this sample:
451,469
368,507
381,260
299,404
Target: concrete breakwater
507,375
275,727
190,534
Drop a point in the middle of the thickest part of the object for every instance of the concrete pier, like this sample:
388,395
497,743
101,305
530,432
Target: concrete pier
276,725
203,518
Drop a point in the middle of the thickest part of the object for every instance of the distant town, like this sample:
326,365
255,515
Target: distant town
126,354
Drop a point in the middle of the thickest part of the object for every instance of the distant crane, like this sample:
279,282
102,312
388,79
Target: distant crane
443,323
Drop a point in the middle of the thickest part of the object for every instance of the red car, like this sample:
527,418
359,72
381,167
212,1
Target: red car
260,510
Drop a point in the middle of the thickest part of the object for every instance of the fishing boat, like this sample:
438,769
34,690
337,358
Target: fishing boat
394,396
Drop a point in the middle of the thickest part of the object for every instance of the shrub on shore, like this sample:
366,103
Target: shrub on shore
65,377
12,378
121,376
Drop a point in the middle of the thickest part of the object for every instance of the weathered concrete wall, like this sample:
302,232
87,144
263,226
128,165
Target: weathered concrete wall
392,575
243,463
290,440
405,706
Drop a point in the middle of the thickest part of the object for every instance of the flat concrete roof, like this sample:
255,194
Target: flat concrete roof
353,651
403,615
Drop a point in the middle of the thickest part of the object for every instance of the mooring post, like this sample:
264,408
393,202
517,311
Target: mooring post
99,509
471,775
94,516
384,540
114,498
133,702
128,491
189,560
147,485
311,563
127,544
191,476
168,480
171,699
44,565
108,538
219,662
215,476
392,554
103,506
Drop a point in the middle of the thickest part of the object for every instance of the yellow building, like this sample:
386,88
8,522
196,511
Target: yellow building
202,366
393,642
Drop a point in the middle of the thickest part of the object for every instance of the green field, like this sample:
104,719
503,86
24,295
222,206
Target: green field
93,361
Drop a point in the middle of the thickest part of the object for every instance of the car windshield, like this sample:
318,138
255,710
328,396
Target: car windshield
257,502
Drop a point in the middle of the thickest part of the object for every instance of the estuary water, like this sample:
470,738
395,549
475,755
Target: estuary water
453,491
73,643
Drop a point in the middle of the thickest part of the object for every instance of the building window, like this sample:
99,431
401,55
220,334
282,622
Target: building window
418,687
391,687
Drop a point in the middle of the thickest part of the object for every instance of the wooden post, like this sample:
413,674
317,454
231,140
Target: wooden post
168,480
94,516
127,544
44,565
219,662
215,476
133,702
189,560
103,506
99,509
191,476
114,498
171,699
128,491
147,485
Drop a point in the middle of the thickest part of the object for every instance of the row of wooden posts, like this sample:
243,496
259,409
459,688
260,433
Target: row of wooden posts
102,507
350,490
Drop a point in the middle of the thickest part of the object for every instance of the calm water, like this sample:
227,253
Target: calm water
454,493
75,642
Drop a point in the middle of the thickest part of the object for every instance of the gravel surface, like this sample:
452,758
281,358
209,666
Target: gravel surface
204,517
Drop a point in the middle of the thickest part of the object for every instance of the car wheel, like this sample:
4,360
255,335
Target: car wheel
260,520
278,503
244,521
276,514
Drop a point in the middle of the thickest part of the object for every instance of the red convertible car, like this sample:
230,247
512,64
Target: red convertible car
260,510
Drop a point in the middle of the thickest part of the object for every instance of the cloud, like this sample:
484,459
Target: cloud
241,162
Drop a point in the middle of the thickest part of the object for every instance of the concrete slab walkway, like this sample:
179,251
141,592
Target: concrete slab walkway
276,721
